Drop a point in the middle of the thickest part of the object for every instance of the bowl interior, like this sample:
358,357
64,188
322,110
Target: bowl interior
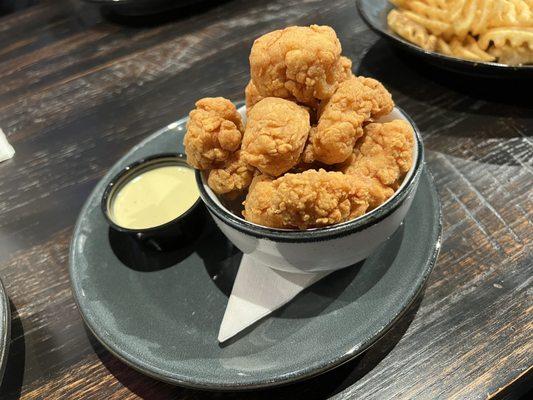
396,113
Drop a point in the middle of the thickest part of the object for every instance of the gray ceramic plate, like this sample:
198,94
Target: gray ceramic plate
160,312
374,13
5,325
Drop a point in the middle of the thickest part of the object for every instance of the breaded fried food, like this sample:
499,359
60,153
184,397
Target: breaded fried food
384,154
232,178
355,102
308,153
345,70
306,200
276,132
251,96
214,132
298,62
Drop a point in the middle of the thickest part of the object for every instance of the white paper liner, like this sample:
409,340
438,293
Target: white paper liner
257,292
6,150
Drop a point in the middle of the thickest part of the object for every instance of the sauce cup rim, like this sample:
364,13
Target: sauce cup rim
130,169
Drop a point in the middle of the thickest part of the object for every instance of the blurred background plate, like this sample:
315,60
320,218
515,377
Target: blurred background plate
5,325
374,13
143,7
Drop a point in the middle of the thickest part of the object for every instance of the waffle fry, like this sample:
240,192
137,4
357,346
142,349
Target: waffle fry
513,55
443,47
473,46
436,27
469,50
478,30
429,10
411,31
484,14
515,37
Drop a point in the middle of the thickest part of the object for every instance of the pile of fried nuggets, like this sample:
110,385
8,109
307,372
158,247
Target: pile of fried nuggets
309,155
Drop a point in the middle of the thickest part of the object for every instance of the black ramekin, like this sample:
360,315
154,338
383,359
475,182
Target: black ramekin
182,229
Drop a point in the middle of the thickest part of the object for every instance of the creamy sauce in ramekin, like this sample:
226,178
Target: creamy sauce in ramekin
155,197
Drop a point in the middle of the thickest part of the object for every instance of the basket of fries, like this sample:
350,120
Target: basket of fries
491,33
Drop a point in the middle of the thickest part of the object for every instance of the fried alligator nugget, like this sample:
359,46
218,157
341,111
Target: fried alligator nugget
345,71
214,132
276,132
232,178
306,200
310,154
298,62
384,154
251,96
356,101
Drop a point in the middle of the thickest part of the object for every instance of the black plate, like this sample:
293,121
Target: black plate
374,13
160,312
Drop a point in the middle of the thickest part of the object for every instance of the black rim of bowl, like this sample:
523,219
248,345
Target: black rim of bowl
132,169
329,232
443,57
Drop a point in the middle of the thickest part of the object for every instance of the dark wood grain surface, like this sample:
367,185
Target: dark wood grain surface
77,90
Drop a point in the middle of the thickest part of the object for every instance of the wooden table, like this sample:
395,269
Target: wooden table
77,91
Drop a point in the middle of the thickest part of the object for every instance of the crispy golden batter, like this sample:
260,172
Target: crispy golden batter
214,131
345,71
310,155
303,166
306,200
276,132
251,96
356,101
384,154
232,178
298,62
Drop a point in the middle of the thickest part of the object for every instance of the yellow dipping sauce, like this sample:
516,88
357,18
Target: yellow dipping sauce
154,197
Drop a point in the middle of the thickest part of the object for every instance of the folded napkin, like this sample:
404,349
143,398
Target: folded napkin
257,292
6,150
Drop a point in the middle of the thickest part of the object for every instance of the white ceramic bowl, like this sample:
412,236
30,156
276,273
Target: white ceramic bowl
320,249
